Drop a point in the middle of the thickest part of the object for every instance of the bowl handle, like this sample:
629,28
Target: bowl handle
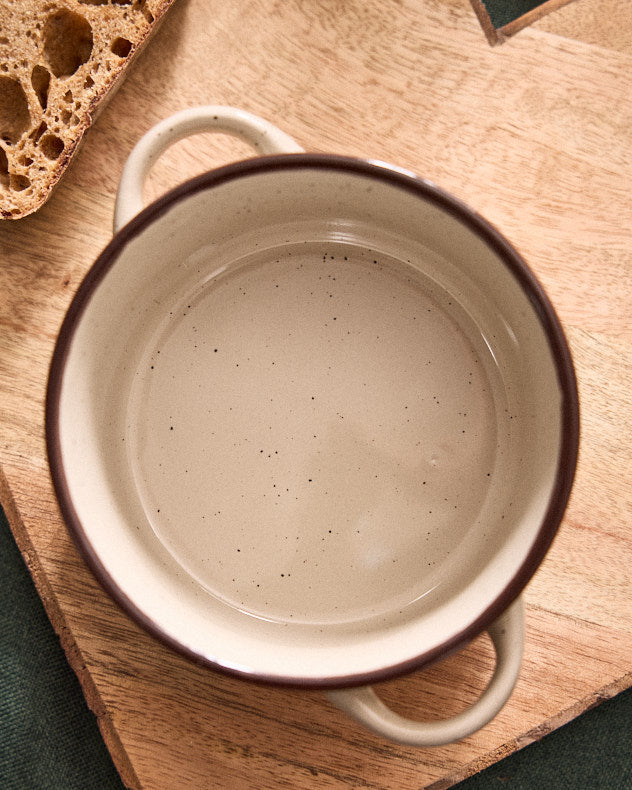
261,135
363,704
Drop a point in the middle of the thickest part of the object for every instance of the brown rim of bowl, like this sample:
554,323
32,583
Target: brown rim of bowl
426,191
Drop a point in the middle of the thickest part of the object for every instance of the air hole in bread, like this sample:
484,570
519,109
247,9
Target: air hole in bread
65,116
121,47
19,183
35,136
4,168
51,146
40,80
14,110
67,42
68,97
147,13
88,83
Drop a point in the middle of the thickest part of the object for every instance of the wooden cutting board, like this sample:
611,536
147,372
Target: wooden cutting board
537,135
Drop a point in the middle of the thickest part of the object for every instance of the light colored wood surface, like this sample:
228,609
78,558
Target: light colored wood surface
605,24
536,135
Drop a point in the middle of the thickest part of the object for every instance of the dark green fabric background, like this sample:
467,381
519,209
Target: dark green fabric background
501,12
49,739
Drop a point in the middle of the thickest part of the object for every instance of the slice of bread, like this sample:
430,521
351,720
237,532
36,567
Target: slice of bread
59,61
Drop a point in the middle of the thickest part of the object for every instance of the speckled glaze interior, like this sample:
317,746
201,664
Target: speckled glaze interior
309,421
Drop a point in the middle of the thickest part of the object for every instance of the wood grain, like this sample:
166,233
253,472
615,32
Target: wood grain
537,136
603,23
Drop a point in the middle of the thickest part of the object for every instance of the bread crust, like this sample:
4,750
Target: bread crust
60,60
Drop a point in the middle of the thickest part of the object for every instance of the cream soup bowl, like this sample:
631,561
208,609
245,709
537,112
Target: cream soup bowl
312,421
